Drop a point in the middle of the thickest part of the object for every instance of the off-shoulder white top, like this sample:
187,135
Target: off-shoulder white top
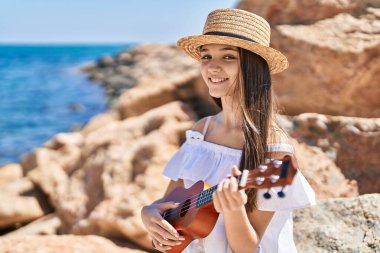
198,159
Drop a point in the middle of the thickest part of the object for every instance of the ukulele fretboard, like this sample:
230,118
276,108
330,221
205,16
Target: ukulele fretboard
205,196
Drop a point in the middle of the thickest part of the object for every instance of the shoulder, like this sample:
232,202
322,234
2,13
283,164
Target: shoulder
279,143
200,124
277,135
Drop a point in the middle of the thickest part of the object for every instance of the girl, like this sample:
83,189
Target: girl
236,64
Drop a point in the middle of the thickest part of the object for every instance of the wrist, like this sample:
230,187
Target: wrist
233,212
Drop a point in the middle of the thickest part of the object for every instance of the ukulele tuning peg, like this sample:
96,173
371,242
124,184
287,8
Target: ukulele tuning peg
260,180
277,163
281,194
274,178
267,195
263,168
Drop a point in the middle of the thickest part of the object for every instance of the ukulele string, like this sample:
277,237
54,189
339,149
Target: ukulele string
192,199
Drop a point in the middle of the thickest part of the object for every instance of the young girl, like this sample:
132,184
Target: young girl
236,64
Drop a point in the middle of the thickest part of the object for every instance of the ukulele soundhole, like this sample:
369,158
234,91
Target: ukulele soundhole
185,207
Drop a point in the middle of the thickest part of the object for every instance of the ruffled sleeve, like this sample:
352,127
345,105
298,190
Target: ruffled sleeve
201,160
177,165
297,195
173,167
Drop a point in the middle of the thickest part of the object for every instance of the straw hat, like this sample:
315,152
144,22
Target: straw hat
238,28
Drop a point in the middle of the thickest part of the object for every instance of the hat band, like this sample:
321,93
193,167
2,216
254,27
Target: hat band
230,35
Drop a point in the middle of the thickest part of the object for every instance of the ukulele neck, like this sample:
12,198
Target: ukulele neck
205,196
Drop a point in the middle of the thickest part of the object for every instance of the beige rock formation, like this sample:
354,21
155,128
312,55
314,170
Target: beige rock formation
10,172
18,186
62,244
134,67
118,172
324,176
333,48
299,11
18,209
46,225
352,143
339,225
339,73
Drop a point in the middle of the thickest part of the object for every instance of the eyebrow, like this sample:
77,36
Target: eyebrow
222,49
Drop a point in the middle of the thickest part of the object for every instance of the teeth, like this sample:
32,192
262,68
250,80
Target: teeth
218,80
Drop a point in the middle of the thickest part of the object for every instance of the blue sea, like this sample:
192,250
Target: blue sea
42,93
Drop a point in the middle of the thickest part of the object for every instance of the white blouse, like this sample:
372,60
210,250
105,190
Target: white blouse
198,159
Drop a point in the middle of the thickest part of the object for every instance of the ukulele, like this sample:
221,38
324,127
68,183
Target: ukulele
196,216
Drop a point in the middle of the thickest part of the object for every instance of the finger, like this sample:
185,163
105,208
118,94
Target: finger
164,241
226,184
236,171
244,197
168,227
220,186
223,198
167,205
161,247
159,228
216,202
233,185
234,196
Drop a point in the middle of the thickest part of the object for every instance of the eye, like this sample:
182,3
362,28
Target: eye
229,57
205,57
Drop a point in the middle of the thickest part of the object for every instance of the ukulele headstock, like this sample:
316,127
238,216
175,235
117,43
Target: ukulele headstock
273,173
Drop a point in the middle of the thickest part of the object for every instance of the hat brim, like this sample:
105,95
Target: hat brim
277,62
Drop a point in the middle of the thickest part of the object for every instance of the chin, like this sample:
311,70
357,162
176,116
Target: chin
216,94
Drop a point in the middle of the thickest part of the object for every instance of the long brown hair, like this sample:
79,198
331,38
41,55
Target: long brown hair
257,109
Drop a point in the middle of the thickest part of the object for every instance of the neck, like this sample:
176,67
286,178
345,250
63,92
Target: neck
230,117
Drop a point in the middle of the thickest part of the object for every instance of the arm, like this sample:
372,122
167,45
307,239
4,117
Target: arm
162,233
158,228
245,230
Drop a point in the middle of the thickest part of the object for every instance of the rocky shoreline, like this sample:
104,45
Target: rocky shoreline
95,181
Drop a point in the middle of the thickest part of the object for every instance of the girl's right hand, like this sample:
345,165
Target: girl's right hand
163,234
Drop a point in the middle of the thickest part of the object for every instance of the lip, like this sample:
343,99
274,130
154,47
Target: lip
226,79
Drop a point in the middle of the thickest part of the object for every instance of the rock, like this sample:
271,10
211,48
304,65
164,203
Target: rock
326,179
106,61
352,143
46,225
62,244
63,139
67,156
142,99
119,172
38,157
339,225
130,68
9,173
18,209
67,197
298,11
99,121
18,186
124,58
338,74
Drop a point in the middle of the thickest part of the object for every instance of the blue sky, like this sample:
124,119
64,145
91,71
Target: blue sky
102,21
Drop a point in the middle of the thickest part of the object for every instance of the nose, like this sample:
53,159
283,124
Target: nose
214,67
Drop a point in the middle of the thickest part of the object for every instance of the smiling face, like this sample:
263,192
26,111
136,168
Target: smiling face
220,68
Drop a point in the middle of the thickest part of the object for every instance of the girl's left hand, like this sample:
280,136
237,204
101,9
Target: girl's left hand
227,197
